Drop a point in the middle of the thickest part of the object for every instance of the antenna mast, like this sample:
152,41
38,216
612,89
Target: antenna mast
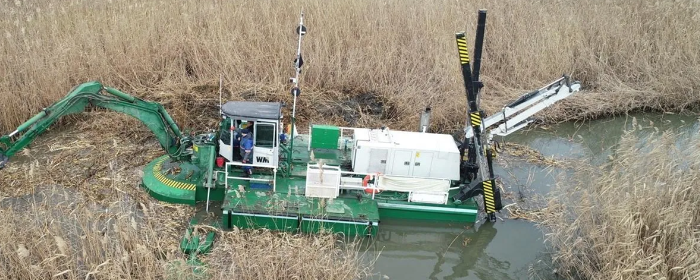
298,62
221,84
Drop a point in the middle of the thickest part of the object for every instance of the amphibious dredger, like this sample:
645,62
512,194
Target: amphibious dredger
332,179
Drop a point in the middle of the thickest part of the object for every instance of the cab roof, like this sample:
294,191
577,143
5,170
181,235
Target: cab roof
252,110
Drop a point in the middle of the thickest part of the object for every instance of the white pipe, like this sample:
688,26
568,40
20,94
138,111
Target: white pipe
208,192
274,180
231,138
251,165
309,140
294,109
398,176
249,179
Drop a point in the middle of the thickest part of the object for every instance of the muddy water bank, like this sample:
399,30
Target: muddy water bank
513,249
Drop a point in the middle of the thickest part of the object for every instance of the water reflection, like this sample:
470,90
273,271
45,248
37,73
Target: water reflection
595,140
411,250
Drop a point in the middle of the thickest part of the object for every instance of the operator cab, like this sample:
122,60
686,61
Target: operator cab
262,119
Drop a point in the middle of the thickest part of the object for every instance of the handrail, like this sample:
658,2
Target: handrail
274,174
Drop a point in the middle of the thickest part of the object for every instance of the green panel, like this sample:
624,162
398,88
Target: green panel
327,154
217,194
347,228
414,211
347,215
324,137
246,220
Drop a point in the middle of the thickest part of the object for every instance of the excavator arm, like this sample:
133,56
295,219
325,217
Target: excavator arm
476,169
518,114
152,114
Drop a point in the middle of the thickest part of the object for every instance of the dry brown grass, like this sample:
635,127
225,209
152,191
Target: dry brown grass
57,234
263,254
399,55
633,218
82,188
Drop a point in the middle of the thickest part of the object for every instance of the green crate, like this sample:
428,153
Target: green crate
324,136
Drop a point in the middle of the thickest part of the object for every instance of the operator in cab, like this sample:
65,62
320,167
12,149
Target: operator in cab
248,125
236,134
247,151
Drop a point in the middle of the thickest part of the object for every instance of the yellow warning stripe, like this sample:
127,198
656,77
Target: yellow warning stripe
475,118
489,203
462,48
169,182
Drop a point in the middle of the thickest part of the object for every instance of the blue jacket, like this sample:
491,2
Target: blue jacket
247,144
236,138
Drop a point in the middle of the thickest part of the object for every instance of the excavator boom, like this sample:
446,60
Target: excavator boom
518,114
476,168
152,114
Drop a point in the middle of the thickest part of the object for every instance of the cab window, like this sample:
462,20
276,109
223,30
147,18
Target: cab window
265,135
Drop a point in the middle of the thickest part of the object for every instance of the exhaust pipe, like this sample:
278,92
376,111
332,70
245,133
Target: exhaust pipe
425,120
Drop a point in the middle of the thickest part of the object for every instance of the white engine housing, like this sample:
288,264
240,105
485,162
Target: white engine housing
402,153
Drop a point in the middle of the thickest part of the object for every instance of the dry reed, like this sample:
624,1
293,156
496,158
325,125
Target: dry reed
636,217
367,62
56,234
262,254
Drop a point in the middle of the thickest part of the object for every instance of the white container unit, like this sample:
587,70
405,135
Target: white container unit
403,153
322,181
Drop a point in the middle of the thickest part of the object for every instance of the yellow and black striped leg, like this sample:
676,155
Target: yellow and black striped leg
490,199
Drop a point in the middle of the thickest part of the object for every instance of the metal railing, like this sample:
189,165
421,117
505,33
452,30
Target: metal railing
238,163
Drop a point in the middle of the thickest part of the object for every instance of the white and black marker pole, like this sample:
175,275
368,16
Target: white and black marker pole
298,63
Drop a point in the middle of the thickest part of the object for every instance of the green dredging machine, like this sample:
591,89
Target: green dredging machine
331,179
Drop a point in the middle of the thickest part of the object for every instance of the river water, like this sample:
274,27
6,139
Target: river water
510,249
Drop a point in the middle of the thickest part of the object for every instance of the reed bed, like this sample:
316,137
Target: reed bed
367,62
71,208
261,254
53,234
636,217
